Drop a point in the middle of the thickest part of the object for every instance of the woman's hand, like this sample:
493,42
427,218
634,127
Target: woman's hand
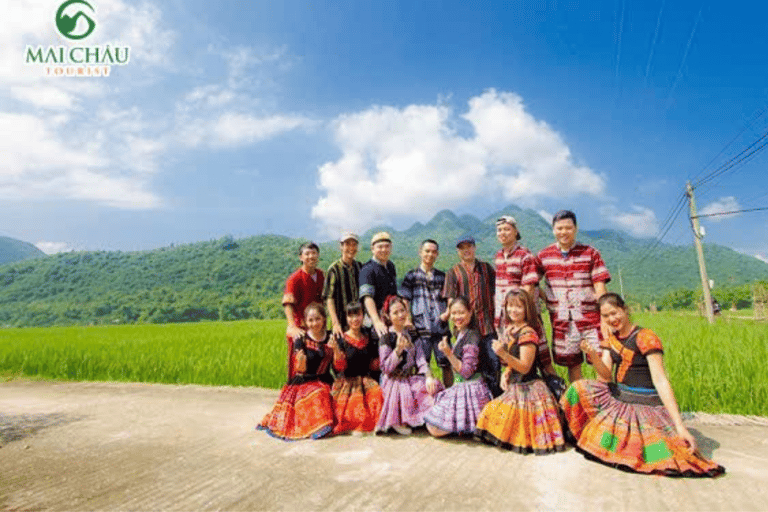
300,362
588,349
432,385
689,439
605,329
444,347
403,343
504,382
338,353
498,347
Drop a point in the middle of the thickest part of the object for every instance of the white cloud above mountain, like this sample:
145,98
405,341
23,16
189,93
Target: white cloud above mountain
639,221
413,162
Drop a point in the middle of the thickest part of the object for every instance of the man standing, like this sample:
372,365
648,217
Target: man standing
301,289
422,287
576,275
516,269
378,280
342,283
475,280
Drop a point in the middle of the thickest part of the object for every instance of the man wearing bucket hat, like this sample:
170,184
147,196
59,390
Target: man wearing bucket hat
342,282
378,280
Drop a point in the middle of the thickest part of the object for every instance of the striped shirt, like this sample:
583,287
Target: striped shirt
571,278
341,284
514,268
478,286
424,292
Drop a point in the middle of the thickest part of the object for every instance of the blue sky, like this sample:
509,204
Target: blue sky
306,118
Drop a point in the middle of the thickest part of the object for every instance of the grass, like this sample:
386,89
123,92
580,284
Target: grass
245,353
716,369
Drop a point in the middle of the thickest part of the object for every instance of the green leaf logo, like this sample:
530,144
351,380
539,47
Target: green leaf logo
67,23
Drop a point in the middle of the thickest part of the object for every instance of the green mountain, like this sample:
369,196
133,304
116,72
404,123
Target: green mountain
15,250
230,279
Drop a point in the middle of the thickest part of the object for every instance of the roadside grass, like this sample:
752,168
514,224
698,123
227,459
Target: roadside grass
244,353
715,369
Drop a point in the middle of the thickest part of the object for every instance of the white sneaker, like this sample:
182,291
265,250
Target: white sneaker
403,430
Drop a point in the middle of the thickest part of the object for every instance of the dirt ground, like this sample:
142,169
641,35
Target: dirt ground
116,446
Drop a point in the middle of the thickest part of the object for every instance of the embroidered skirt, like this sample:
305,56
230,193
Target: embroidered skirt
629,436
302,411
457,408
405,401
523,419
357,403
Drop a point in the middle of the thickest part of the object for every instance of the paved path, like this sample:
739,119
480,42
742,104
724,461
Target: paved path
108,446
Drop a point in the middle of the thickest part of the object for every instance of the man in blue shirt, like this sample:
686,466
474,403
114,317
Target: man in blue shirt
423,287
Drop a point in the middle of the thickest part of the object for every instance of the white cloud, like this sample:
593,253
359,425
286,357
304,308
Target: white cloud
55,144
640,222
237,129
724,204
546,216
411,162
53,247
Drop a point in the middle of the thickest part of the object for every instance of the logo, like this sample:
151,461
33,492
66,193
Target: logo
74,23
74,20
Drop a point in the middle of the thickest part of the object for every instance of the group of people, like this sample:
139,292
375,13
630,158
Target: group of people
371,371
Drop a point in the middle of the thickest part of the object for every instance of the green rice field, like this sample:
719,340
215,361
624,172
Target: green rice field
717,369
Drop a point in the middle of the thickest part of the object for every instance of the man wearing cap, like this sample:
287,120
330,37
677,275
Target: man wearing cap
378,280
475,280
516,269
342,283
576,277
422,287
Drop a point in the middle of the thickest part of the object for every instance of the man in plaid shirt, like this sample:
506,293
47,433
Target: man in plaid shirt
576,277
422,287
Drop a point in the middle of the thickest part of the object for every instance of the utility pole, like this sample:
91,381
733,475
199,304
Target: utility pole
621,283
697,236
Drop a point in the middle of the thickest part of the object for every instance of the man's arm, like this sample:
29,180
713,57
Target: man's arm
370,308
293,330
330,305
600,290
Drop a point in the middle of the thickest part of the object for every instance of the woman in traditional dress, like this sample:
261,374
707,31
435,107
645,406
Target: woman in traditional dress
357,398
406,380
304,408
525,417
631,421
457,408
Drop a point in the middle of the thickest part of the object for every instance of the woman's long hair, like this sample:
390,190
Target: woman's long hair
532,317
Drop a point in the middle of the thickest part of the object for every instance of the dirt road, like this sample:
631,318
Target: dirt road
108,446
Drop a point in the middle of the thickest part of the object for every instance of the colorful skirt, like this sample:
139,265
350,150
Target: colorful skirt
629,436
357,403
405,401
523,419
302,411
457,408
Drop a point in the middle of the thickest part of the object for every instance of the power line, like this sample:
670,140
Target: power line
666,226
745,155
755,117
729,213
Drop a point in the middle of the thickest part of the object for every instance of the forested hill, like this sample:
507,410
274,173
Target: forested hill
230,279
15,250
